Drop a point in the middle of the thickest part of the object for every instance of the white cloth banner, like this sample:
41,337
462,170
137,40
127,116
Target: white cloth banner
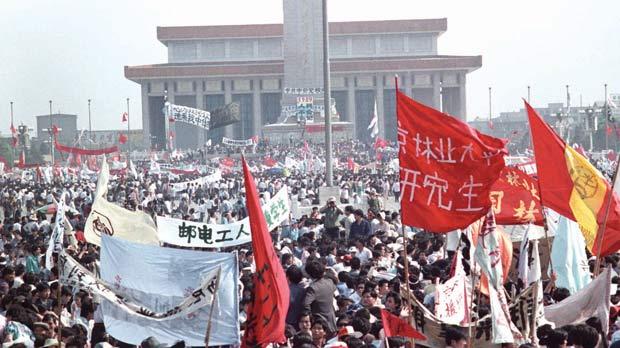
160,278
110,219
58,233
233,142
196,234
196,117
591,301
180,186
452,300
76,275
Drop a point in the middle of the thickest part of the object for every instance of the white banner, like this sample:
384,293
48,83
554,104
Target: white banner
180,186
452,300
112,220
591,301
76,275
196,234
233,142
161,278
58,233
196,117
521,311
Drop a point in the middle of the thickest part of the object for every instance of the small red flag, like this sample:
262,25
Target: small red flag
124,117
609,130
380,143
515,198
267,314
446,168
55,130
270,162
122,138
394,326
22,160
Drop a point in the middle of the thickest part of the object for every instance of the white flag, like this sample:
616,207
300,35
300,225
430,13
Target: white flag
58,233
591,301
570,262
374,123
110,219
451,298
523,266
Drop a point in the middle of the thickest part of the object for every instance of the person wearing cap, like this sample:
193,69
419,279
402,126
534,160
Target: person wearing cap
331,215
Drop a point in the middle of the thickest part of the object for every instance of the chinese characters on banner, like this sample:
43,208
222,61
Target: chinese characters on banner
195,117
516,199
195,234
267,314
446,168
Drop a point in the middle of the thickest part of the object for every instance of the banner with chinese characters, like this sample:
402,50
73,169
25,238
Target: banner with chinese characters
515,198
161,278
234,142
446,168
196,234
195,117
214,177
305,109
75,275
522,312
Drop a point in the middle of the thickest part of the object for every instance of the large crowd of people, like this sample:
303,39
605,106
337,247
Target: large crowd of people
344,256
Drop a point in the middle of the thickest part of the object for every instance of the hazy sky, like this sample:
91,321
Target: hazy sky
72,50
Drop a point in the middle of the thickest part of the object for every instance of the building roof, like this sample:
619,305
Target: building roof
164,34
349,65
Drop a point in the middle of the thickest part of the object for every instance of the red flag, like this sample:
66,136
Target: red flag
124,117
13,135
446,168
122,138
394,326
350,163
516,199
55,130
380,143
270,162
609,130
22,160
267,313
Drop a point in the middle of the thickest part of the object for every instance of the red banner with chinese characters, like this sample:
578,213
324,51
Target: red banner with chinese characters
267,314
515,198
446,168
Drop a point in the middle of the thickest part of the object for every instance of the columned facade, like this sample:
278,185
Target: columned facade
215,65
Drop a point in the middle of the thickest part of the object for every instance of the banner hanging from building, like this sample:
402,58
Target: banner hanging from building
195,117
233,142
195,234
225,115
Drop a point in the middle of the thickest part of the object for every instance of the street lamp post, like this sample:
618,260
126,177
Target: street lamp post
128,133
12,130
327,100
90,127
51,130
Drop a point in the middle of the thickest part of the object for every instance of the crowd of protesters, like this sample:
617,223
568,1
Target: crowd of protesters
344,257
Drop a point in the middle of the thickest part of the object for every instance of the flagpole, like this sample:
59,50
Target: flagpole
128,134
406,259
213,304
13,133
606,121
599,237
472,267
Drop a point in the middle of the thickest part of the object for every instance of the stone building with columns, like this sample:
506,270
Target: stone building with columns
210,66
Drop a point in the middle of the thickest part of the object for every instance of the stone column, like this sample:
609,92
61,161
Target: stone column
172,125
146,117
351,103
462,96
200,105
228,130
379,101
257,119
437,91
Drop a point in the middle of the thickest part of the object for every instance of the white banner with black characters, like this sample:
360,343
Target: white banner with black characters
196,117
161,278
196,234
180,186
75,275
521,311
233,142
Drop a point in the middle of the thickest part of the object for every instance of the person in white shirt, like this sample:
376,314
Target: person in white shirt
363,253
